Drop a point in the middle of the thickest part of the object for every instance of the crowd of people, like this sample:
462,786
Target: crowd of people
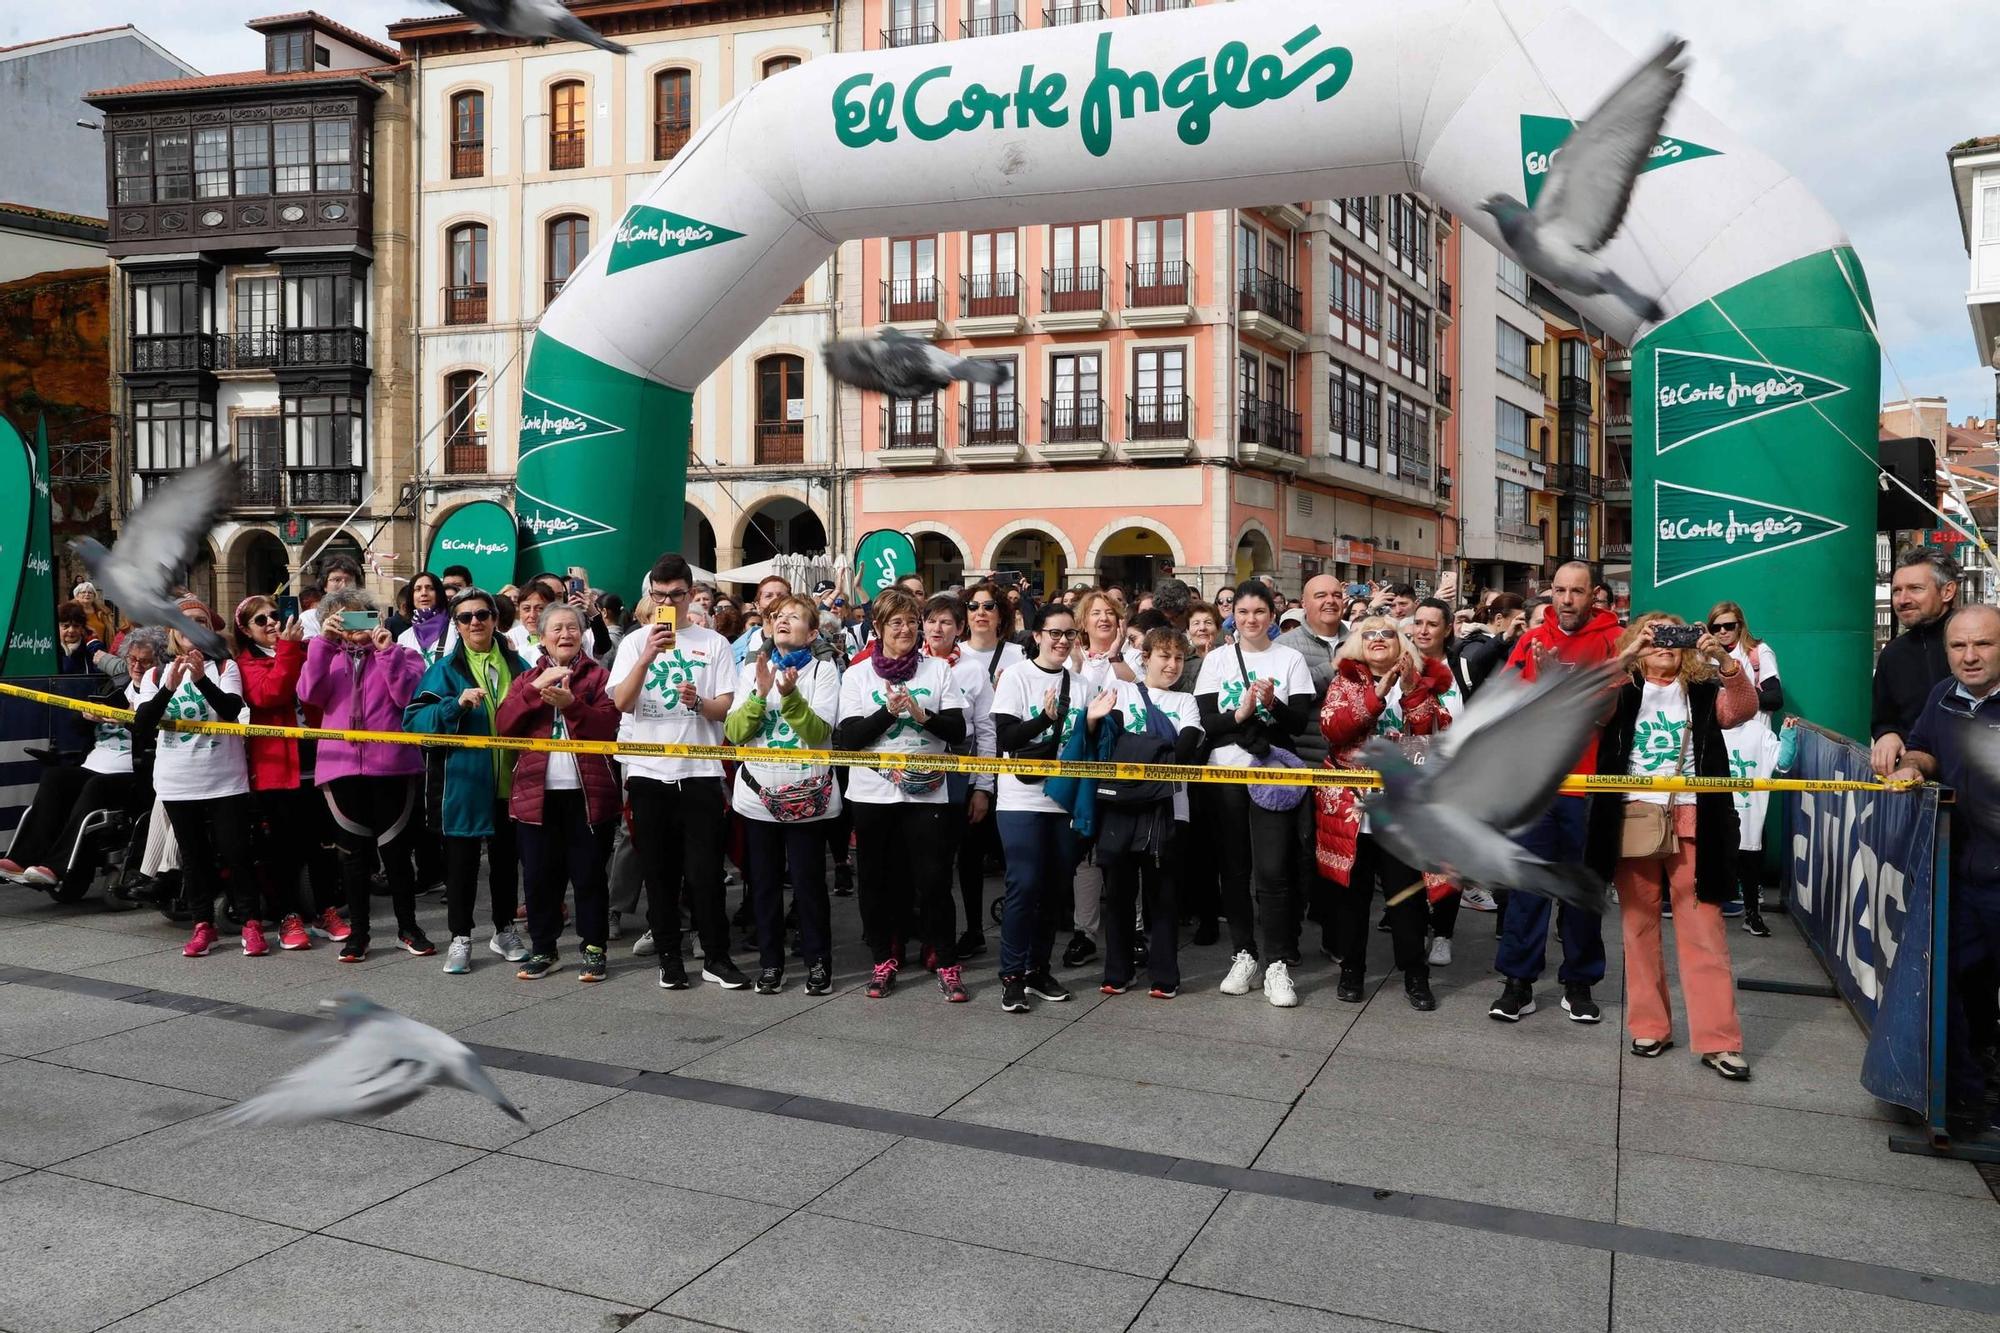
297,838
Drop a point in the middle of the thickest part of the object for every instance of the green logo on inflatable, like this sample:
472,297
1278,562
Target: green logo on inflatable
1699,393
1542,137
882,557
481,537
1698,530
648,233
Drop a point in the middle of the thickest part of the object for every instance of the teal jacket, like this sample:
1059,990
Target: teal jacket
460,786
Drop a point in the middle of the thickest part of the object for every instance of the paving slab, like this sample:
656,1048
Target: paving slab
1123,1113
224,975
1920,1230
8,1170
896,1078
303,1288
1459,1035
51,1112
714,1149
1203,1011
80,1255
814,1273
1084,1215
578,1230
1482,1165
1519,1102
1176,1308
978,1029
1656,1296
1397,1270
1180,1060
34,1019
666,1323
427,995
305,1176
663,1040
56,947
193,1051
1807,1066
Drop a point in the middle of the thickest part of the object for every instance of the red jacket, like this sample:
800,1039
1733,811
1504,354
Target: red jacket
271,690
591,716
1347,718
1596,641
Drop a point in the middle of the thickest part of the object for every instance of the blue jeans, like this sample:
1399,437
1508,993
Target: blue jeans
1524,932
1041,862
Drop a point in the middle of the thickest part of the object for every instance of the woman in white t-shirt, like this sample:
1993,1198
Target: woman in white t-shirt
1255,695
898,701
971,793
1753,753
787,699
203,781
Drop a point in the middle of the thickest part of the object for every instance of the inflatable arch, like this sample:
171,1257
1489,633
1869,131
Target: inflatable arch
1744,485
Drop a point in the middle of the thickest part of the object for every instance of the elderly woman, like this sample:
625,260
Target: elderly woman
361,680
565,804
96,615
1669,722
1383,686
466,790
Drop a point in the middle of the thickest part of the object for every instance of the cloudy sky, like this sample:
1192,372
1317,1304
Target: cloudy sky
1860,99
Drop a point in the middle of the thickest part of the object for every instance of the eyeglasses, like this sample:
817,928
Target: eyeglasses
1060,634
472,617
262,618
1721,626
1377,635
671,594
982,606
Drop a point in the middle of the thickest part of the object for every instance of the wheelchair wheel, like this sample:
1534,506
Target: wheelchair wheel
172,903
997,910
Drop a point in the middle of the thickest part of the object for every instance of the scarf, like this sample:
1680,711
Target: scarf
896,670
489,671
951,659
795,660
429,625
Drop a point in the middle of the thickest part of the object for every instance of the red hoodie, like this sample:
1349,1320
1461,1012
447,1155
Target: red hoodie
1595,641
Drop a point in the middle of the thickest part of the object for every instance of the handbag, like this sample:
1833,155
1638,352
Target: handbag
1648,832
1049,746
917,781
795,802
1270,796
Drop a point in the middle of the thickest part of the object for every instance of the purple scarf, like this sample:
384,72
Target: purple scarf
430,624
896,670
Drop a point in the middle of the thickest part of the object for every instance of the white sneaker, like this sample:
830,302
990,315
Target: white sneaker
458,958
1441,952
508,945
1243,974
1278,988
643,946
1479,900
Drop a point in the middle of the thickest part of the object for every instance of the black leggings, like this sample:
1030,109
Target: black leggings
774,852
905,853
48,833
678,830
374,822
1128,880
503,874
292,833
214,836
1375,867
565,849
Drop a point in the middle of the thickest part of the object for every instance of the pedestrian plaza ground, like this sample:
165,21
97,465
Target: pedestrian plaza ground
707,1160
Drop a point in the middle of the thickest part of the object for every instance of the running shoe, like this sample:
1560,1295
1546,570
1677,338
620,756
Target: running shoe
458,956
38,877
819,978
1278,988
331,925
1243,974
414,942
1014,994
200,942
254,943
724,974
292,933
594,967
883,980
536,966
953,987
1479,900
353,951
1046,986
509,945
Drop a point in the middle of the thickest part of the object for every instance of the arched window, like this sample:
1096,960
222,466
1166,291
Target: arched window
468,135
465,298
464,429
673,112
569,242
781,407
566,121
779,64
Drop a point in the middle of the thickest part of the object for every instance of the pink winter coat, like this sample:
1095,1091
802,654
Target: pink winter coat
362,691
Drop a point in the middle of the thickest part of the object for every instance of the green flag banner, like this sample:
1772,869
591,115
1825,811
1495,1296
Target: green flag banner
482,537
1699,530
1700,393
1542,137
881,557
31,642
17,487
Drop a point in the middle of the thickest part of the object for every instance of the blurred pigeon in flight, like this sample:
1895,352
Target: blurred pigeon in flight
161,540
904,367
1583,203
380,1063
1496,769
537,20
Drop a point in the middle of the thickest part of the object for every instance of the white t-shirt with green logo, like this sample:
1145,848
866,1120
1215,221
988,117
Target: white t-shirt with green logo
1019,694
1177,708
1223,678
819,682
1661,747
863,692
191,765
699,655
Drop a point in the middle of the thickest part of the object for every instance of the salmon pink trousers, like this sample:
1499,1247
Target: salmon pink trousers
1701,939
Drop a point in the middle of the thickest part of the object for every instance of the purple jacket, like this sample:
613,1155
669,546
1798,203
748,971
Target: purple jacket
370,698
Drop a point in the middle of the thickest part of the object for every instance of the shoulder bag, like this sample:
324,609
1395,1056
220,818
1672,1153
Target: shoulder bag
1648,834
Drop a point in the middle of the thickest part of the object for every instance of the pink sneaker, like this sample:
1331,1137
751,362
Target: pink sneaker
292,933
9,868
331,925
254,944
950,982
200,942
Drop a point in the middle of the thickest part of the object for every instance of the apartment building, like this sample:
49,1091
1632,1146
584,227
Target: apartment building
1500,417
1571,364
259,237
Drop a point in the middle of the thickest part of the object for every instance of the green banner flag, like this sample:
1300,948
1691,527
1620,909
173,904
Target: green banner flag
482,537
882,557
1542,137
17,486
1700,530
1700,393
31,642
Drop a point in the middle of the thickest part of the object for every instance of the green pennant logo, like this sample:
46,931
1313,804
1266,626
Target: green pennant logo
647,234
1699,530
882,557
1542,137
545,424
1699,393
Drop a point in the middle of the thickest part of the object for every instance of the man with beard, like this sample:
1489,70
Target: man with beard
1924,593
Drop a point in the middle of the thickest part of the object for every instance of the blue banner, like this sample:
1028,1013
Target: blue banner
1860,877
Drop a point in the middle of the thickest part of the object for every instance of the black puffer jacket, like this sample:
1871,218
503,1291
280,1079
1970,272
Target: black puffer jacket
1906,672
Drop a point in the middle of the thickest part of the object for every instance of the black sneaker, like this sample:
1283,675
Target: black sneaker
414,941
1753,915
1417,989
724,974
819,979
536,966
1080,950
354,950
843,879
594,968
1579,1006
1014,994
1382,926
1045,986
1353,987
770,981
1516,1002
971,944
1206,932
673,972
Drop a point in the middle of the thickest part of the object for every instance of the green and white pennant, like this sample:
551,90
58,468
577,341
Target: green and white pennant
545,424
1697,530
646,234
1542,137
1700,393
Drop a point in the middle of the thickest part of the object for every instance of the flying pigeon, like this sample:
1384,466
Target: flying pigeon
904,367
161,539
1495,770
380,1062
1583,203
537,20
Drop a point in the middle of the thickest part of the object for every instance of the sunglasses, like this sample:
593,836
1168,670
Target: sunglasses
982,606
1060,634
265,618
472,617
1377,635
1719,626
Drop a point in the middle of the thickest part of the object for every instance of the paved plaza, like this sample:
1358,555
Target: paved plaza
708,1160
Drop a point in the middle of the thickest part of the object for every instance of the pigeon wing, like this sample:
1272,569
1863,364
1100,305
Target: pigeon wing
164,534
1982,755
451,1059
356,1076
571,28
1590,183
489,14
1508,769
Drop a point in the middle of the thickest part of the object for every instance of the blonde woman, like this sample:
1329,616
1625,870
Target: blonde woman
1669,721
1753,753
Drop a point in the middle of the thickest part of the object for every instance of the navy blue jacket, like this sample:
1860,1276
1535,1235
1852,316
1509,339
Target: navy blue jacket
1941,731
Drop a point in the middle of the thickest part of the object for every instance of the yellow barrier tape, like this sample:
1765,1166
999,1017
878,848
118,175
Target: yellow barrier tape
1575,784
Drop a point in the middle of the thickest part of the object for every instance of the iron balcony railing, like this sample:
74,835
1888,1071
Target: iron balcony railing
1072,419
465,451
990,420
323,485
1515,530
1068,289
566,151
173,351
910,299
916,34
1270,424
985,294
1443,389
1159,283
1158,416
1576,478
993,25
911,423
1268,294
1064,15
